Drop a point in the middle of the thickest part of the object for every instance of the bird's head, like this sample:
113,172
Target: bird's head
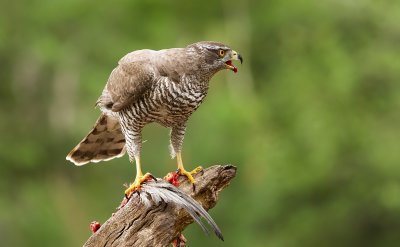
215,56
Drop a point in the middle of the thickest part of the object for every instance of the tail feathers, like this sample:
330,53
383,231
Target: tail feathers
104,142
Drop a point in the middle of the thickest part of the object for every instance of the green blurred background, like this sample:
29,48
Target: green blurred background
311,119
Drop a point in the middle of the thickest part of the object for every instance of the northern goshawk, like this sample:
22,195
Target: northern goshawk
165,87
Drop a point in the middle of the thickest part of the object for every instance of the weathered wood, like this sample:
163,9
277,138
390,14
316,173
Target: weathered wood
147,223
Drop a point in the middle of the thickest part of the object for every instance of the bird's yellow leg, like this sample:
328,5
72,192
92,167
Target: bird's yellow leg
182,170
140,178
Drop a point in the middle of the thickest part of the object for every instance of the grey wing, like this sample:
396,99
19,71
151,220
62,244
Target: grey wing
126,84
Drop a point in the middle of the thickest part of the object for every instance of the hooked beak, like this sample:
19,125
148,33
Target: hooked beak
237,56
234,56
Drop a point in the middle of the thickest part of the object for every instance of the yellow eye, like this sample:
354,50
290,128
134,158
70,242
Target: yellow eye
221,53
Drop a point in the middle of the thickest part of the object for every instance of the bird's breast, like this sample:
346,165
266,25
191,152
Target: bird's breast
176,102
167,104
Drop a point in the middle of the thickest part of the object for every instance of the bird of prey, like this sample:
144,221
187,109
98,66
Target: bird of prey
164,86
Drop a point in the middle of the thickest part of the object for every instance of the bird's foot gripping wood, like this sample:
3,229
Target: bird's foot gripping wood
163,220
173,177
135,186
189,175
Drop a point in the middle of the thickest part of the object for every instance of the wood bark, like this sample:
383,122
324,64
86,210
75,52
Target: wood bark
138,223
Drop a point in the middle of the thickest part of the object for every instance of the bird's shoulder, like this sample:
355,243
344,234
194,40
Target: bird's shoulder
137,72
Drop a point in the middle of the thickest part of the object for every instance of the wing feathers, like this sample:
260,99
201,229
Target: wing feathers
126,84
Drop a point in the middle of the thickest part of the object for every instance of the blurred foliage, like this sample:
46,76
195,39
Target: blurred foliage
311,119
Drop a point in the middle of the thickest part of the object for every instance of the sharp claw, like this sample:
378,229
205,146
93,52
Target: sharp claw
152,177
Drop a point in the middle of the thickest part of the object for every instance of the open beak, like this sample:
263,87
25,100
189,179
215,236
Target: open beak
234,56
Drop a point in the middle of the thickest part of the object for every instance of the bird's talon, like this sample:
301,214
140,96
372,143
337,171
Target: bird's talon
131,189
189,175
136,185
197,169
193,187
152,177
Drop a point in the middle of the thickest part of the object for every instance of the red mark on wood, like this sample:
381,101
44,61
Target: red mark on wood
94,226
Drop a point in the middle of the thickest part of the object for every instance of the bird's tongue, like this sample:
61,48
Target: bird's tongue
231,64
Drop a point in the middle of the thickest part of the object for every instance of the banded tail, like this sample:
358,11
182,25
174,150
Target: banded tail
104,142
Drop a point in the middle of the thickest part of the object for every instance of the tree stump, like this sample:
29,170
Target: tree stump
151,218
